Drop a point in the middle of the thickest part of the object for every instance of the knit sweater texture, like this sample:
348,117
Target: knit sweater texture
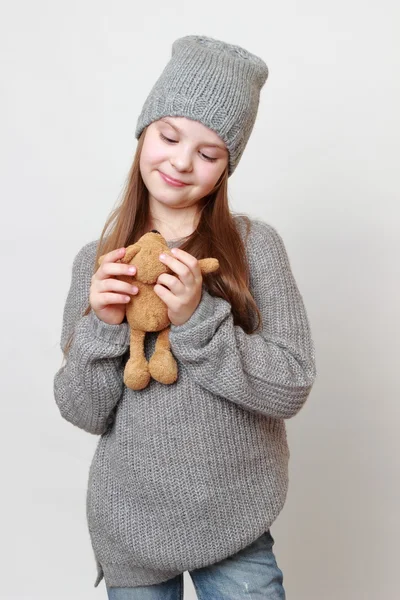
187,474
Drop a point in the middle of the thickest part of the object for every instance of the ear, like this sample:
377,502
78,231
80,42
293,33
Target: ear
208,265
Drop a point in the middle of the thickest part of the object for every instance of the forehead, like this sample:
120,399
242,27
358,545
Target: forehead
195,130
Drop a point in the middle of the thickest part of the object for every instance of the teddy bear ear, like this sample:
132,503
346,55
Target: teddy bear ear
208,265
130,253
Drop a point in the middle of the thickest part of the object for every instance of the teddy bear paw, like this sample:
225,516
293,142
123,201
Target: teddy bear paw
136,377
163,367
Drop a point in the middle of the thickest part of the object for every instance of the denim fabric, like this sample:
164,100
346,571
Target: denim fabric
251,574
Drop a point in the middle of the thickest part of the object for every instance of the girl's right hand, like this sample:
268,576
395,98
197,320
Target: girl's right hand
108,296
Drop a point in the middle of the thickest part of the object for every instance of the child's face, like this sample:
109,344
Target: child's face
192,154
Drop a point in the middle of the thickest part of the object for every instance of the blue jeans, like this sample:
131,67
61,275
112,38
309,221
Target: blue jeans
250,573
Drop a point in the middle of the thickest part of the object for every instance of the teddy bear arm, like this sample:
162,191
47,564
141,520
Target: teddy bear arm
208,265
130,253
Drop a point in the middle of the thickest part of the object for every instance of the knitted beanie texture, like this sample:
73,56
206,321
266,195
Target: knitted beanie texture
213,82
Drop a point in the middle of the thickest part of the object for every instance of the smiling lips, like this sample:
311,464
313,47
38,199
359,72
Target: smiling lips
172,181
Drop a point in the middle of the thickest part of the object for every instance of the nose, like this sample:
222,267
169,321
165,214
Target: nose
181,160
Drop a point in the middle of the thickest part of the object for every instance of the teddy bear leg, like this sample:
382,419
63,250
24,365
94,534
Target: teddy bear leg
136,373
162,364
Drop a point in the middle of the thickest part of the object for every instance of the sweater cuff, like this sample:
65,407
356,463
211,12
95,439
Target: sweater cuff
115,334
204,309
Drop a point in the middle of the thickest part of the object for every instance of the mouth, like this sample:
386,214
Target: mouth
172,181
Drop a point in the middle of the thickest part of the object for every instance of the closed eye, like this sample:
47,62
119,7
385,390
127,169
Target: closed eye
208,157
169,141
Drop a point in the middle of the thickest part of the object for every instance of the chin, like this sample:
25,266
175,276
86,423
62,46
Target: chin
164,198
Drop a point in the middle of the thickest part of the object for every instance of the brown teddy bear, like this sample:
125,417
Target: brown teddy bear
147,312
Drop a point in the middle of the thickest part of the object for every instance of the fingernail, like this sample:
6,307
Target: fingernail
162,256
131,269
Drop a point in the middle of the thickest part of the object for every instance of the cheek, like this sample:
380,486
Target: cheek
209,175
152,154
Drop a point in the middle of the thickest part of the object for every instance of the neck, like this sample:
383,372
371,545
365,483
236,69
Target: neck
173,223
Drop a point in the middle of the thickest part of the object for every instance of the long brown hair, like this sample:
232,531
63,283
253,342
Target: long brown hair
216,235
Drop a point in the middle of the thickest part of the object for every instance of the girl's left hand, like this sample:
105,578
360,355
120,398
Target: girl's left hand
184,292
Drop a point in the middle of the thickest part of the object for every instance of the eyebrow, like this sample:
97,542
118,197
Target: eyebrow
180,131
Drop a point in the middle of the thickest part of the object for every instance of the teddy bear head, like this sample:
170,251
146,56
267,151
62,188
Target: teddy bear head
144,254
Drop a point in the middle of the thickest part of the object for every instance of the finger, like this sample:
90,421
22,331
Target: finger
184,271
111,298
166,296
188,259
172,282
116,285
112,269
112,256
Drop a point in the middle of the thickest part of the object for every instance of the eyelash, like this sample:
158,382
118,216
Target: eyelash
168,140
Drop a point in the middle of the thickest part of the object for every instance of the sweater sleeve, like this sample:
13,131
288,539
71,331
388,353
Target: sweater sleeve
270,372
90,383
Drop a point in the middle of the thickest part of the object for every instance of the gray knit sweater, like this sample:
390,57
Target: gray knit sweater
185,475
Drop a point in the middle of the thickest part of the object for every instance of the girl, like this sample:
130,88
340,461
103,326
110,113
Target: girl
189,476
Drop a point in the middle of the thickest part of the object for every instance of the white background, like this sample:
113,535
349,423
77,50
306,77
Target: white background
322,166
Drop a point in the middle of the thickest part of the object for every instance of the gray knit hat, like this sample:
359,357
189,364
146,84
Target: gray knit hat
209,81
